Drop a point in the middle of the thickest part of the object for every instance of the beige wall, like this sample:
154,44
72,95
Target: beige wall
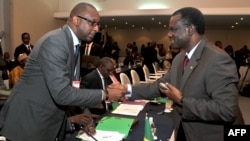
33,16
36,17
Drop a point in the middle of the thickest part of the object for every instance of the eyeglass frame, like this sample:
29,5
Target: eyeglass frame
92,22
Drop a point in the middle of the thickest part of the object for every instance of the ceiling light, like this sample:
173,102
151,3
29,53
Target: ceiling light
165,26
232,26
153,6
126,22
241,18
113,19
142,28
236,23
153,19
159,22
133,25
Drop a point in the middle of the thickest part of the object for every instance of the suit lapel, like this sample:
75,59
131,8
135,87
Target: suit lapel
192,64
99,80
71,49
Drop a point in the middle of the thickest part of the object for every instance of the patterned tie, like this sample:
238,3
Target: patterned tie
185,62
76,54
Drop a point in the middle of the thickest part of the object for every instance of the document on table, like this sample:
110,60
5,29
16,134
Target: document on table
102,136
128,109
110,128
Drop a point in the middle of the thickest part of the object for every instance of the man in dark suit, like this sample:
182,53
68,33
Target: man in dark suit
25,47
35,110
90,50
99,79
205,90
94,49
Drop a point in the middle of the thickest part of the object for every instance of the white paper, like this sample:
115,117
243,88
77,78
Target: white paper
128,109
103,136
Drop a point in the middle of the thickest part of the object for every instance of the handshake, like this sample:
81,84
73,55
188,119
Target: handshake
117,91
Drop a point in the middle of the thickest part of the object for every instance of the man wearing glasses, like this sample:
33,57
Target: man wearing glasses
36,108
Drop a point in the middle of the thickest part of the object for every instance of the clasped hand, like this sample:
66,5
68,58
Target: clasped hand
116,91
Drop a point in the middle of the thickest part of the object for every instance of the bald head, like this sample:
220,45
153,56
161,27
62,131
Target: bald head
84,21
80,8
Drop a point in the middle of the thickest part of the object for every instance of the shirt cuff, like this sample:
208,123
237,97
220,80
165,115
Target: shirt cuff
129,94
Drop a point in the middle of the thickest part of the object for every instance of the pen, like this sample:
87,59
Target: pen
88,133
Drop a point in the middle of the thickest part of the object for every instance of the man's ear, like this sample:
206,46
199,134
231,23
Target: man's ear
191,30
76,20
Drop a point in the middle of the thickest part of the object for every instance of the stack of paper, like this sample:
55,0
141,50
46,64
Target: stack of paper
129,108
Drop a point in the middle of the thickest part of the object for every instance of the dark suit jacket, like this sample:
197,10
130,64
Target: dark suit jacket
35,110
21,49
93,81
96,49
209,89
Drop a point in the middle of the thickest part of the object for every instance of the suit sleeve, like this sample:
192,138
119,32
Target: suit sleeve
148,91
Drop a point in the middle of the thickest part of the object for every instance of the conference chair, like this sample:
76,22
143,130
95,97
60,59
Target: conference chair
124,79
148,76
157,69
135,78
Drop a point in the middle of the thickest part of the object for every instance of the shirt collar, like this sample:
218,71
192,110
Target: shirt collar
90,44
99,73
75,39
191,52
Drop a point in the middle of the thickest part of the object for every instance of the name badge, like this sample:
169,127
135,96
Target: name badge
76,84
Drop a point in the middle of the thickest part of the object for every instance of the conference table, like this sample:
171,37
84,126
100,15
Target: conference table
163,122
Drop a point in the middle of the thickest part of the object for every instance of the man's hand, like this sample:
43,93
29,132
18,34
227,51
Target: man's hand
173,93
123,88
81,119
116,91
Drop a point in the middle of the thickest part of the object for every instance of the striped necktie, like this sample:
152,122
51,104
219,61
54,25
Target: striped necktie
76,54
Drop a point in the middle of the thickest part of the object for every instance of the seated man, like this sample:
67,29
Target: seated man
16,72
77,124
99,79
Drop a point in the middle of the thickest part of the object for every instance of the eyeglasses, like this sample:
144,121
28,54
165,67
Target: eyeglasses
92,23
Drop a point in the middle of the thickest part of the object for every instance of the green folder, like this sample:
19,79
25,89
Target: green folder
161,100
113,123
